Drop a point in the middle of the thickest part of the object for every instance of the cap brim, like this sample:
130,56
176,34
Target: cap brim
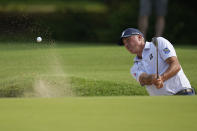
120,42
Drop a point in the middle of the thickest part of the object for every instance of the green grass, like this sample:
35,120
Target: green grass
75,69
175,113
43,70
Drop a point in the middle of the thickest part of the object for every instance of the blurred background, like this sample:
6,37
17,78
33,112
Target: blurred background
89,20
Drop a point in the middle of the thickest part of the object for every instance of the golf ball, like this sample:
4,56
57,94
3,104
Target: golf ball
38,39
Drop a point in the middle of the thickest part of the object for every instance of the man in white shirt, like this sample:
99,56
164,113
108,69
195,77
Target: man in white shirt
171,80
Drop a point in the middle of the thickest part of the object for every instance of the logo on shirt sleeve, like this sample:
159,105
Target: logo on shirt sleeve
134,74
166,50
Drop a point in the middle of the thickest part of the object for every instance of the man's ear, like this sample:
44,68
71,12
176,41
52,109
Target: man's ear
141,38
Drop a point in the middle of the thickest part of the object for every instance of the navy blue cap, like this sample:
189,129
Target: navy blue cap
129,32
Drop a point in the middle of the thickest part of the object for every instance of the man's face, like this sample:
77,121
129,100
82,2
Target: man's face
132,43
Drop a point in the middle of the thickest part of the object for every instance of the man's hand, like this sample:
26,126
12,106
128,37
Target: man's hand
146,79
158,82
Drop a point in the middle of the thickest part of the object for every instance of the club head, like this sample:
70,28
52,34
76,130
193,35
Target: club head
155,41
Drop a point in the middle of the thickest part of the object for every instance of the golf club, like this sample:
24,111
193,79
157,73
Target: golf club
155,42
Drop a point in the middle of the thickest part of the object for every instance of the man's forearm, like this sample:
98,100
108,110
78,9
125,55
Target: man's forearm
173,68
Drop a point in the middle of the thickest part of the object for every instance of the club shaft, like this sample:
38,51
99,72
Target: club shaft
157,62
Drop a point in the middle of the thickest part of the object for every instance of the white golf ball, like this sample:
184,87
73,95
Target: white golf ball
38,39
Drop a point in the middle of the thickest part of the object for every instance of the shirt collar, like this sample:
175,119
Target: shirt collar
147,45
136,59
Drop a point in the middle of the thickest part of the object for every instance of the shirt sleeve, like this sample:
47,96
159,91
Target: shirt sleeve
166,49
137,70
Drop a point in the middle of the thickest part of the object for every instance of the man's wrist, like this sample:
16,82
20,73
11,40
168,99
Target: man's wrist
152,78
163,78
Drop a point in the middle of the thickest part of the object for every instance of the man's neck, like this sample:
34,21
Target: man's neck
139,55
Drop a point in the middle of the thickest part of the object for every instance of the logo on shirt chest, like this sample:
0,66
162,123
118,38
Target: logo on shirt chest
151,56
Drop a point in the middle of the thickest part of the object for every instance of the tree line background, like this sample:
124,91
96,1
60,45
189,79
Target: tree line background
89,20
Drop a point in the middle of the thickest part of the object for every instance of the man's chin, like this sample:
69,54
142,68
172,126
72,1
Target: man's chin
132,52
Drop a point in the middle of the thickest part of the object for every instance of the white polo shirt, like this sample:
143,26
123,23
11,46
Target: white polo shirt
148,65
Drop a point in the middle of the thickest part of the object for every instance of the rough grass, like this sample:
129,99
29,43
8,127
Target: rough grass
88,87
73,69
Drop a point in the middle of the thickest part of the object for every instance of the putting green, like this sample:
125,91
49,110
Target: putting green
174,113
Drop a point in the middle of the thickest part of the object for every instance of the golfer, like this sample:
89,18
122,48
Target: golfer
171,80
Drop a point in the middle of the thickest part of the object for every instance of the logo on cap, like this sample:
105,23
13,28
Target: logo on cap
135,33
123,33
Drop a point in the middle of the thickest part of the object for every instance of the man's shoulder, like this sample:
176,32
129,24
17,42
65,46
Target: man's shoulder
162,40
